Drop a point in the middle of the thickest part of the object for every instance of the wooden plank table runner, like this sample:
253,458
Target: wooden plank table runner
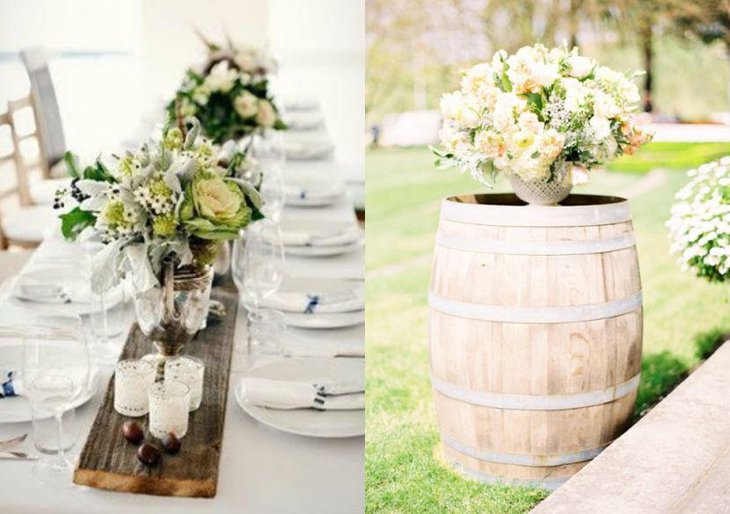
108,461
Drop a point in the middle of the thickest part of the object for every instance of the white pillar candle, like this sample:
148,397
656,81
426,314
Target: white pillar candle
169,405
132,380
190,371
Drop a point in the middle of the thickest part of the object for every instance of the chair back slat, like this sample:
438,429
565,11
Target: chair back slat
45,106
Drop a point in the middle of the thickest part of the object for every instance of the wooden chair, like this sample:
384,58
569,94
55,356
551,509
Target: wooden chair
51,140
32,190
25,227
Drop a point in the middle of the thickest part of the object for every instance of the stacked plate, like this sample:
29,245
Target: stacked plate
58,288
306,241
304,120
314,193
311,145
333,304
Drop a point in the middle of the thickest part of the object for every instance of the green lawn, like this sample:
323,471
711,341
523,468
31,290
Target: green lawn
683,318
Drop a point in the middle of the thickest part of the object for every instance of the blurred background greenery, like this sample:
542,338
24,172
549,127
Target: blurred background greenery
416,48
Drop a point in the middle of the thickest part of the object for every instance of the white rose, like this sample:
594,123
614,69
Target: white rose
506,108
460,108
266,117
579,66
221,78
604,105
477,78
529,121
601,127
575,94
246,104
245,60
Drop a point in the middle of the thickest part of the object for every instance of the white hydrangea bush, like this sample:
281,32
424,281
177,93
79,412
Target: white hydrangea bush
700,222
540,114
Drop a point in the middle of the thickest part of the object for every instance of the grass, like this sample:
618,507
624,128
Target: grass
684,319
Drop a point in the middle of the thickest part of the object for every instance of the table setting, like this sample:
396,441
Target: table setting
174,382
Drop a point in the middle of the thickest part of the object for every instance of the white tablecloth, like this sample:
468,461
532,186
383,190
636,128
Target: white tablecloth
261,470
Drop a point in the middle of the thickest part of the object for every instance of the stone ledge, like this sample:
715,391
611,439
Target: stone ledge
675,460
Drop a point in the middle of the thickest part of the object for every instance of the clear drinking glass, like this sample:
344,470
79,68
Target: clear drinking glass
108,315
57,369
190,371
169,407
273,193
266,332
49,396
132,380
258,263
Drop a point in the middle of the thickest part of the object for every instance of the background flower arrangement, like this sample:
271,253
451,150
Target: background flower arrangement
700,221
229,94
542,115
169,200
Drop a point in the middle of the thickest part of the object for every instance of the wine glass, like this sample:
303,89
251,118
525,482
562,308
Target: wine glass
258,263
57,369
267,148
272,193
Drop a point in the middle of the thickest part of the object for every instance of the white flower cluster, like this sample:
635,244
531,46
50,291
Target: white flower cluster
532,112
700,221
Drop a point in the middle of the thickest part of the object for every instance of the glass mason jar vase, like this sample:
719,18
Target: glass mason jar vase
171,315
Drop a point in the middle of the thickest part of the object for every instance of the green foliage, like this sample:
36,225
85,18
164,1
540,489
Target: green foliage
75,221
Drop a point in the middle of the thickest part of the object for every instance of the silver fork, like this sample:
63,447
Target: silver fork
12,442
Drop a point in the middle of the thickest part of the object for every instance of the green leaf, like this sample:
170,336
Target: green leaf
72,164
75,221
535,155
535,101
98,172
506,84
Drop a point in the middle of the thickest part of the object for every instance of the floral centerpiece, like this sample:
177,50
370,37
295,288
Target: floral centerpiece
542,117
229,94
700,222
160,213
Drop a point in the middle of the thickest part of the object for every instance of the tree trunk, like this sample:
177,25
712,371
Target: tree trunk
647,39
573,22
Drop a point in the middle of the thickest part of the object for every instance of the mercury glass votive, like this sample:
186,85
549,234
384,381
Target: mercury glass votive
132,380
169,406
190,371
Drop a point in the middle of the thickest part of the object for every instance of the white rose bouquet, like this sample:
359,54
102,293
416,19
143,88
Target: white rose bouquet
229,94
700,221
542,115
169,200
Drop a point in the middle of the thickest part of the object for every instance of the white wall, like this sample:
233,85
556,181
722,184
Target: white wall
170,45
320,45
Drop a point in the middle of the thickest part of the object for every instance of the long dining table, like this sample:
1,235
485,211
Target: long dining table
262,470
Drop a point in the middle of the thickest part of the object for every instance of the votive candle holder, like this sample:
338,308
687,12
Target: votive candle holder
190,371
169,406
132,380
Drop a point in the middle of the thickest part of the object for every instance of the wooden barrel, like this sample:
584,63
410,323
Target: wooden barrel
535,334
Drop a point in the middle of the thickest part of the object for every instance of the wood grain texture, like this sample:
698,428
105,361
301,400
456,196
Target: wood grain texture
108,461
532,357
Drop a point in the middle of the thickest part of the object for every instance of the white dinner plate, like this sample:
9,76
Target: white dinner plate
50,278
16,409
309,422
322,251
324,320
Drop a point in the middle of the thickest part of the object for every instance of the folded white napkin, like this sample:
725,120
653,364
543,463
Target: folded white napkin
311,302
286,395
296,193
39,286
9,384
325,237
324,349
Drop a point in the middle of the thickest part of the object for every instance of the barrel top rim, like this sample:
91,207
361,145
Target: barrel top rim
510,200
